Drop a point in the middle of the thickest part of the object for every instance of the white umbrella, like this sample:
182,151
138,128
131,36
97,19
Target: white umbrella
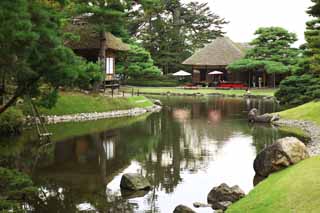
181,73
215,73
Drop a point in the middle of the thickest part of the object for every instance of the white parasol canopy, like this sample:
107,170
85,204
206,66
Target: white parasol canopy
215,73
181,73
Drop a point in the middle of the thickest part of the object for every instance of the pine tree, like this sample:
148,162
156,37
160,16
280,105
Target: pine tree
32,51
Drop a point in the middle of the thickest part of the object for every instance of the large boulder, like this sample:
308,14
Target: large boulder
183,209
254,117
134,182
222,196
281,154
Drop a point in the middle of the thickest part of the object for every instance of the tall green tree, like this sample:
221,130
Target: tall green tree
304,85
172,31
271,51
32,51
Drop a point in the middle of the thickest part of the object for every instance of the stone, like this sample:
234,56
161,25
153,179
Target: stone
281,154
201,205
157,102
134,182
183,209
254,117
222,196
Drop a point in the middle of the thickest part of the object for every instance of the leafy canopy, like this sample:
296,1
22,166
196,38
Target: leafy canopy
32,51
271,51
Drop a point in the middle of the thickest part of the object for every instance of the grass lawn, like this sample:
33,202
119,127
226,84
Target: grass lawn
296,189
157,90
73,103
309,111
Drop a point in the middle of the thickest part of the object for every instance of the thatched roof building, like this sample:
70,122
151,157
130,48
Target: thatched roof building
90,39
216,56
221,52
88,45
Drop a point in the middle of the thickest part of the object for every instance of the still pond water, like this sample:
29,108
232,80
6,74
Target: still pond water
192,145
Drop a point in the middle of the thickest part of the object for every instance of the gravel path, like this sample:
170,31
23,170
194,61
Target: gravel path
310,128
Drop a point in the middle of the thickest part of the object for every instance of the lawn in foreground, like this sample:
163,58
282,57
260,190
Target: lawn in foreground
296,189
309,112
157,90
73,103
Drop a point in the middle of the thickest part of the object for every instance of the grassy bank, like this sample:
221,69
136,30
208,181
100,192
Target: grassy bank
74,103
296,189
205,91
308,112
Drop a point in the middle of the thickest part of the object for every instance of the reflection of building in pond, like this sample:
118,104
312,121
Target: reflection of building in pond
181,115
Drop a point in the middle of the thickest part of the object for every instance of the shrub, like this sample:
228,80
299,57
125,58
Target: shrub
297,90
11,121
14,187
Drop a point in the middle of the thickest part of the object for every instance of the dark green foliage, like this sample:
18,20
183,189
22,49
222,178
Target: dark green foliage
32,51
11,122
271,51
296,90
252,65
89,76
15,187
304,86
137,63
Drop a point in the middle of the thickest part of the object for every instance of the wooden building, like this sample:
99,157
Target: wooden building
88,46
216,56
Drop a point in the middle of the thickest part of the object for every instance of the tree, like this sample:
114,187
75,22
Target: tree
271,51
137,63
172,31
32,51
304,85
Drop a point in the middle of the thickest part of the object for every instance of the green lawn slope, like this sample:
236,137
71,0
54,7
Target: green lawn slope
73,103
296,189
309,112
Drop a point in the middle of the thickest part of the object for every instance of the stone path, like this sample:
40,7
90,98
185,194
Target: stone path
312,129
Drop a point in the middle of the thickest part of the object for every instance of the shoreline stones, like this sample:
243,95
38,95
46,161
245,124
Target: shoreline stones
134,182
221,197
254,117
312,129
95,115
281,154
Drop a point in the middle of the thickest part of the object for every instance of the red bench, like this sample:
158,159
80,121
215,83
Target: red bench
229,85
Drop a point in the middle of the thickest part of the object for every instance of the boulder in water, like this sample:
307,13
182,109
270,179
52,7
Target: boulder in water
134,182
183,209
254,117
222,196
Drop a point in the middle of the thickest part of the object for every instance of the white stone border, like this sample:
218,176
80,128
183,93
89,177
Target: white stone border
54,119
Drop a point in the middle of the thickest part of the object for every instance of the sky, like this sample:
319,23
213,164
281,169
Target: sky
245,16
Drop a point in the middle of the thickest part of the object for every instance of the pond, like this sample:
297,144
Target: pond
192,145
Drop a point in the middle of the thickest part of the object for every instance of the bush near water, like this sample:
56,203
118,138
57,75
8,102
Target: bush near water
11,121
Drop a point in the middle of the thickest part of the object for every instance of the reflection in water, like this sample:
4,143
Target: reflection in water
191,146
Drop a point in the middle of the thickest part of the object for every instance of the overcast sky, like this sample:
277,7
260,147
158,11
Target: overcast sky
246,16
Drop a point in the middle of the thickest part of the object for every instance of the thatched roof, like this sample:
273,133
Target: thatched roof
89,39
221,52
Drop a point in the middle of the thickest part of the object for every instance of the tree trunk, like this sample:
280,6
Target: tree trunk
102,56
12,100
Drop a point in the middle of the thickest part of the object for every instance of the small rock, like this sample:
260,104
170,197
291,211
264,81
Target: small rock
183,209
157,102
220,196
134,182
201,205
